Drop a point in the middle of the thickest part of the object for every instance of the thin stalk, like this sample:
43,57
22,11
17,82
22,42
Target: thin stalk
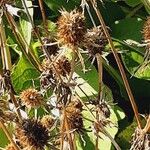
62,128
7,65
128,89
8,135
71,143
43,14
147,126
72,66
21,41
132,13
39,38
6,52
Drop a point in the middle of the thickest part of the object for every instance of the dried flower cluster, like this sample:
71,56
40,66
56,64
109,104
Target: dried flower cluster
31,98
32,134
71,27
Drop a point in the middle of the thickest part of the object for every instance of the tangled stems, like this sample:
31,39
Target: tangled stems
128,89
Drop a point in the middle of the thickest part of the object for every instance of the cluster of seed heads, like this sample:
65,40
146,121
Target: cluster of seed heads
56,69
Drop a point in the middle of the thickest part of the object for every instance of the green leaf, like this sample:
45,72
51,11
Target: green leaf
3,139
26,27
23,72
133,3
88,140
130,29
57,4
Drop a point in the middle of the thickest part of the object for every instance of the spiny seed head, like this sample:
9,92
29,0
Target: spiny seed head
10,147
146,31
32,134
31,98
63,66
51,49
47,121
95,40
71,27
73,113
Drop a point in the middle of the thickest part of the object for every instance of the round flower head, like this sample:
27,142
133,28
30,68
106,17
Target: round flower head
71,27
31,98
31,134
95,40
47,121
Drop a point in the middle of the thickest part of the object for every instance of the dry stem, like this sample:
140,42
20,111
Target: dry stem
134,106
8,135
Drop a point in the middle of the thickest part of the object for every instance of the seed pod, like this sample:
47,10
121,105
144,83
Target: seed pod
95,41
47,121
31,134
74,116
31,98
71,27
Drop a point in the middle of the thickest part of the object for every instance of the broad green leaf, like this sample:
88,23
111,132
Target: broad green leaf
23,72
88,140
26,26
132,28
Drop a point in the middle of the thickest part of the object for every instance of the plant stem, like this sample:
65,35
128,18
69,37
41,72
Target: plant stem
135,109
43,15
147,126
8,135
7,65
22,43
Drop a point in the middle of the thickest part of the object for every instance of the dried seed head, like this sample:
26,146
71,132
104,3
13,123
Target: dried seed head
73,113
51,49
47,121
10,147
64,92
104,109
95,41
146,31
63,66
140,140
48,80
7,115
31,98
32,134
71,27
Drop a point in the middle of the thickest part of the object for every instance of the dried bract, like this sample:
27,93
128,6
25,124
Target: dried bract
95,41
71,27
